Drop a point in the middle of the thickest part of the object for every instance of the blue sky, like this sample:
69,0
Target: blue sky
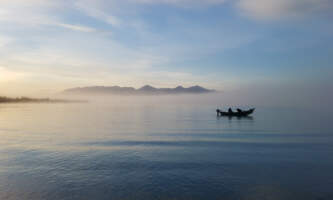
47,46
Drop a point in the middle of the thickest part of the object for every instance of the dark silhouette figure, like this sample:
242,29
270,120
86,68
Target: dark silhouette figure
230,110
239,110
218,112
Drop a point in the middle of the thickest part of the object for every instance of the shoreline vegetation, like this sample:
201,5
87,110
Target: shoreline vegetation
4,99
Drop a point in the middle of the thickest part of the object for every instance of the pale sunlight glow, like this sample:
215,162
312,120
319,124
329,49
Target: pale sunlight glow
7,75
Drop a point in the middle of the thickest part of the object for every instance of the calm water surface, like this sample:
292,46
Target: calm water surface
150,151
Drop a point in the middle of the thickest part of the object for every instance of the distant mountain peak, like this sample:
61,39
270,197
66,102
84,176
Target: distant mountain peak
197,86
146,89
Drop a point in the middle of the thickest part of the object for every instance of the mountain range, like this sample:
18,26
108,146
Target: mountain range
145,90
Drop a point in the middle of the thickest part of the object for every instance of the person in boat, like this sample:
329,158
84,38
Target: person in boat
230,111
218,112
239,110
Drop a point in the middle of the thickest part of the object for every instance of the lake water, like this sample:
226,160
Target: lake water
125,150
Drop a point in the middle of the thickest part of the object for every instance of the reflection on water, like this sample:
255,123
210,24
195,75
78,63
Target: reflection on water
150,151
235,117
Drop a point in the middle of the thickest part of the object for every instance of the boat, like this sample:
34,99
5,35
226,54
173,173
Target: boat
239,113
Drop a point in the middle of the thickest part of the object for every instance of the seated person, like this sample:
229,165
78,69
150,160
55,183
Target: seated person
239,110
230,110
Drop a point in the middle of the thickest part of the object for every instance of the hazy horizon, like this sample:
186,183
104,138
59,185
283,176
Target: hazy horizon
276,49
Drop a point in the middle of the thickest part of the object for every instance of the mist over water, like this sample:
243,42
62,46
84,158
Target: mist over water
120,100
163,148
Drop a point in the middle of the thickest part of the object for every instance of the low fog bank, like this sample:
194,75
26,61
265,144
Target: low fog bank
313,96
246,97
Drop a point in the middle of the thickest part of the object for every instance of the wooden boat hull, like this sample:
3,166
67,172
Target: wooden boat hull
235,114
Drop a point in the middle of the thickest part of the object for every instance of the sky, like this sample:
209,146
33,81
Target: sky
276,46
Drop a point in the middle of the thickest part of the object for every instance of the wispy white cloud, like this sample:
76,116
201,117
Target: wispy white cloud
182,3
255,9
282,9
96,10
34,13
179,1
76,27
78,55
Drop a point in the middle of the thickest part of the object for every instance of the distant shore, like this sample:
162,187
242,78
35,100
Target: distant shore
4,99
145,90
